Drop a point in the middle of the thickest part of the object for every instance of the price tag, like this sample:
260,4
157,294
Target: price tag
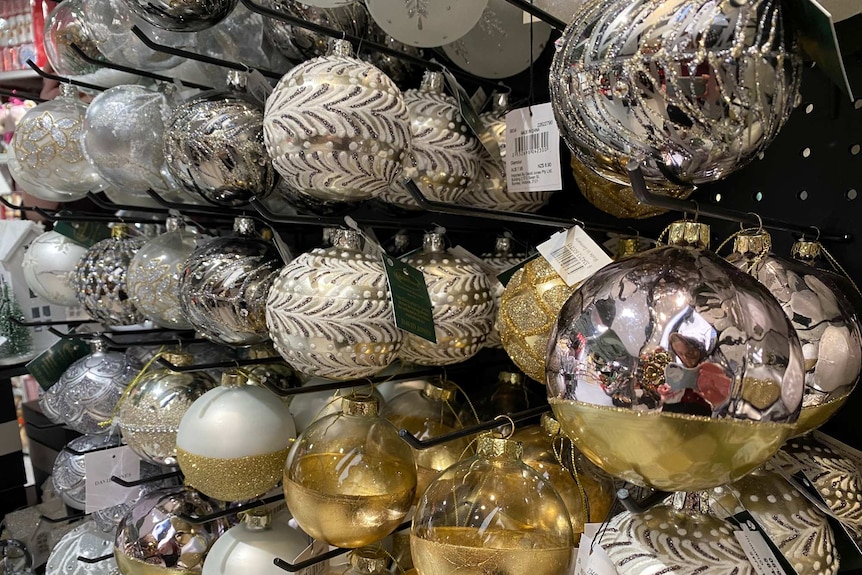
591,558
574,255
86,234
761,552
533,150
258,86
505,277
48,366
410,300
100,491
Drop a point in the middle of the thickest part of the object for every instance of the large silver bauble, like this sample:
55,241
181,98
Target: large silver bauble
100,279
699,89
65,25
329,312
182,15
154,275
49,265
85,540
69,473
686,358
299,44
444,155
123,137
461,302
214,146
224,286
337,127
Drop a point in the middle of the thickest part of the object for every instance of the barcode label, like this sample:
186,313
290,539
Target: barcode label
570,259
574,255
531,144
533,150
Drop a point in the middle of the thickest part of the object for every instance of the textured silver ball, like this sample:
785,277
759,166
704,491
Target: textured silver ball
49,265
69,475
182,15
86,540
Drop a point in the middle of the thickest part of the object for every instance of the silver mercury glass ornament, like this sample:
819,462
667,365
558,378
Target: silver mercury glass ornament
182,15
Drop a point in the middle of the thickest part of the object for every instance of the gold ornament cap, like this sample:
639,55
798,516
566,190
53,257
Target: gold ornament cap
439,389
627,247
752,243
550,425
360,405
687,234
490,446
173,224
433,242
119,231
369,560
511,378
806,251
266,234
257,519
179,358
432,82
233,379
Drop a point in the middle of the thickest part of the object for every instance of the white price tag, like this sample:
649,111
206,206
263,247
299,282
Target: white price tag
759,554
574,255
533,150
313,550
591,558
101,492
258,86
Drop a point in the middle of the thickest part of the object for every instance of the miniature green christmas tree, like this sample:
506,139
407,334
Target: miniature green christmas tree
15,338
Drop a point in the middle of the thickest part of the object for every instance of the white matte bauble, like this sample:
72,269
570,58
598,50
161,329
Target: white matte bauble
426,24
48,266
233,441
329,312
311,406
337,127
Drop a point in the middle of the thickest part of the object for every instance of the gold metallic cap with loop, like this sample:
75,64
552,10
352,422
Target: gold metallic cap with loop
439,389
752,243
257,519
120,231
369,560
511,378
688,234
550,425
628,246
179,358
361,405
489,445
266,234
233,379
806,251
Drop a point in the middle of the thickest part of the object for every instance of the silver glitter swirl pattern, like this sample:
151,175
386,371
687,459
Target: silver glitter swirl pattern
329,314
337,129
100,281
69,474
462,306
86,540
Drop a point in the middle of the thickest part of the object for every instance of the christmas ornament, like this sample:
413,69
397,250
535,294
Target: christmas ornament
299,44
48,145
16,557
564,10
491,513
685,357
427,413
277,376
527,312
426,24
182,15
644,80
123,133
461,302
398,69
154,538
31,185
617,199
48,267
238,38
254,543
151,410
336,127
491,190
154,275
85,540
213,145
443,158
100,278
16,342
825,320
303,203
349,478
85,396
506,394
69,474
681,539
330,314
501,260
800,531
233,440
499,45
308,407
224,285
368,561
65,25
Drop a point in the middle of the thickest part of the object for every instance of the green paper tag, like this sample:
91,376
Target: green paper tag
506,276
410,300
49,366
86,234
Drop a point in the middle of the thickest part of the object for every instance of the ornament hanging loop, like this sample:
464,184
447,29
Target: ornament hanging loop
742,227
511,427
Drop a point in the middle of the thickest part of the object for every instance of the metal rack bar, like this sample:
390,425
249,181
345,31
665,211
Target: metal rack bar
107,204
12,206
333,385
65,216
473,429
218,365
143,73
532,10
71,517
179,340
199,209
63,80
22,95
232,510
644,504
91,560
69,322
712,211
145,480
94,450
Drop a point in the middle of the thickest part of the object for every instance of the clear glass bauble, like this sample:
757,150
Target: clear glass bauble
528,309
123,137
238,38
310,406
329,312
461,302
85,540
67,24
231,122
153,537
298,44
182,15
69,473
48,266
491,513
686,357
428,413
443,159
150,412
153,278
427,25
350,479
344,152
500,260
697,89
224,286
100,279
48,144
233,440
507,394
30,184
828,325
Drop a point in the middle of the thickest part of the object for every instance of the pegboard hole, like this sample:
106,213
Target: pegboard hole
850,195
806,152
717,197
855,149
758,196
809,108
803,195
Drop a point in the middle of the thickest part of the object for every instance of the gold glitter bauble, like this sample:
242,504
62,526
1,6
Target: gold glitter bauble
232,479
528,309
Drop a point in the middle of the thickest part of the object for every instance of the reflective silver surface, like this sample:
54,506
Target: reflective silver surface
182,15
299,44
100,281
